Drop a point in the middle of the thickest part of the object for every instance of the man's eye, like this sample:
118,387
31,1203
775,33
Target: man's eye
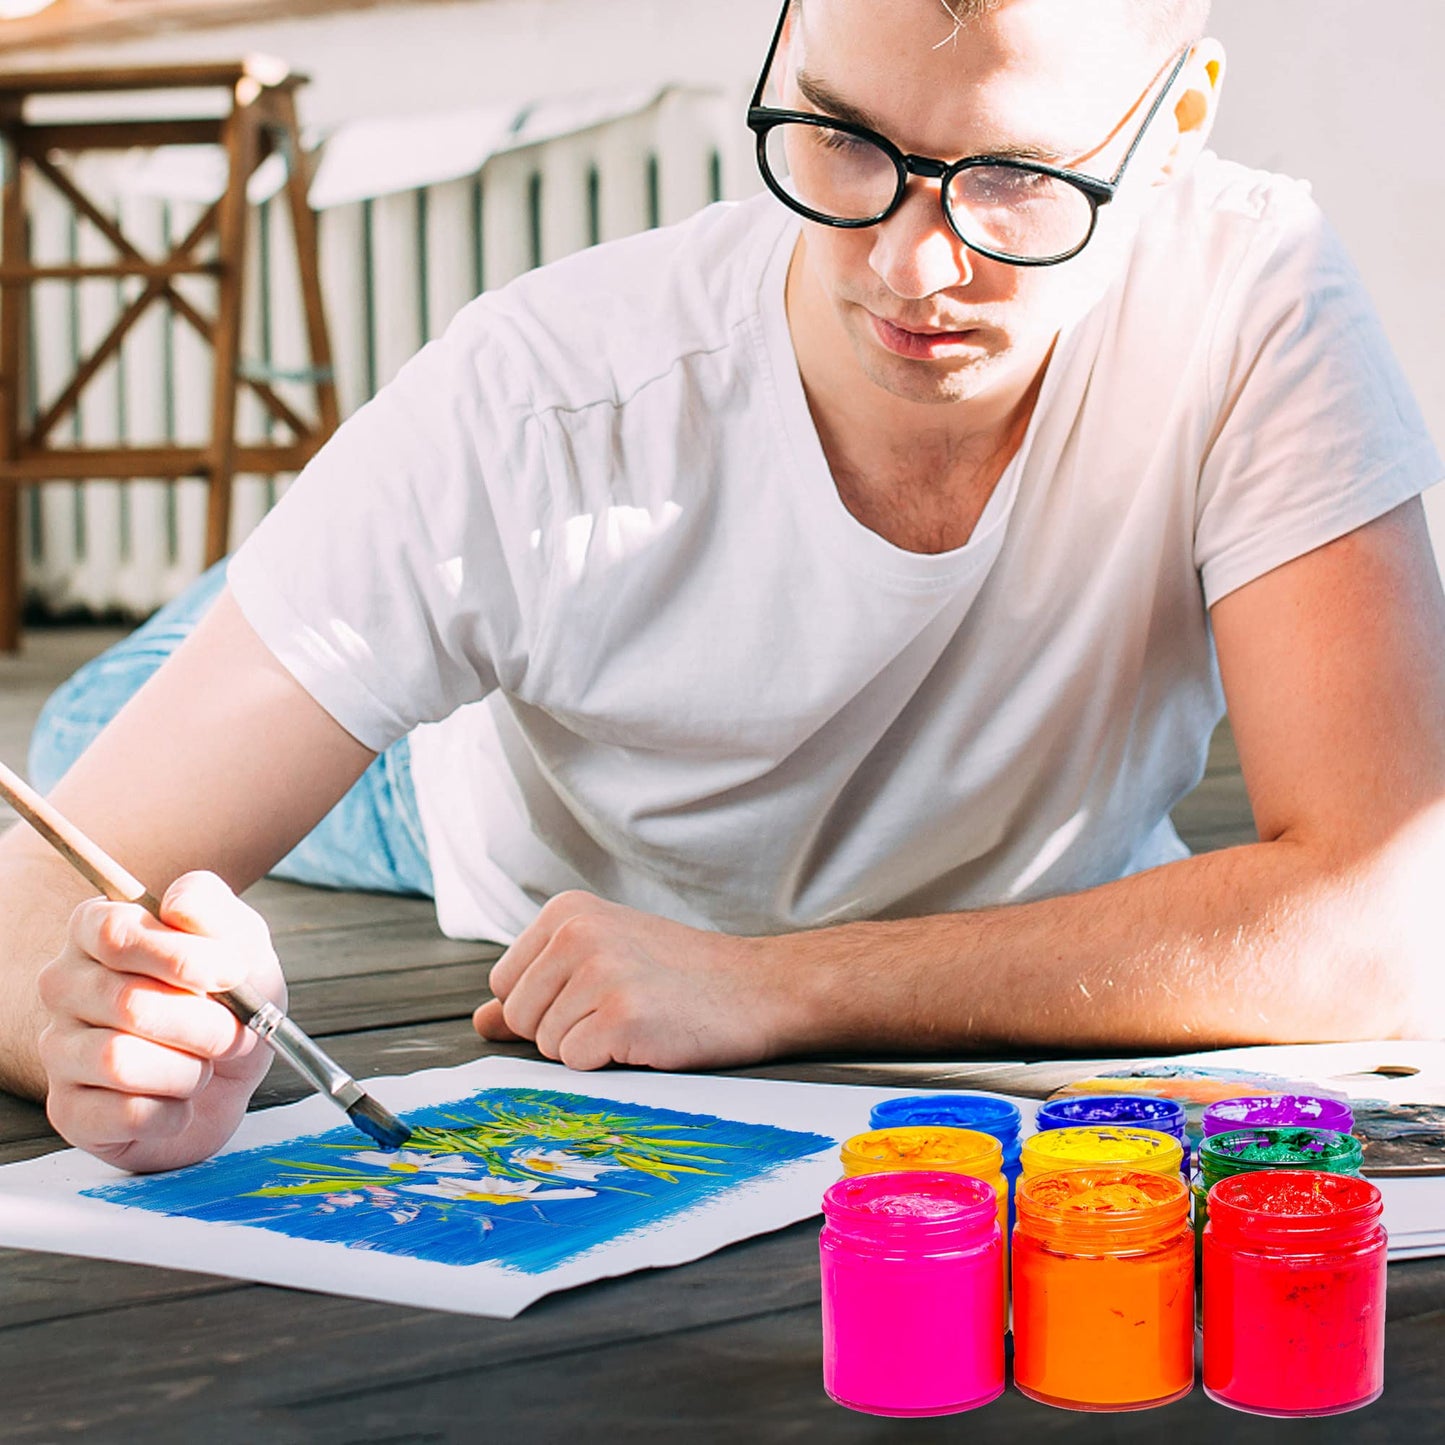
841,141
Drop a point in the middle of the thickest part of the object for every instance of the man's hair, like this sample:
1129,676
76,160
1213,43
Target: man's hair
1169,24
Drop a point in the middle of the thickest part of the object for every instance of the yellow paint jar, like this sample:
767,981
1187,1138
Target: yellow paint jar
1101,1146
931,1146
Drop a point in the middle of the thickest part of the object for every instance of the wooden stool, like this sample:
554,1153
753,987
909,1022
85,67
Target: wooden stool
262,118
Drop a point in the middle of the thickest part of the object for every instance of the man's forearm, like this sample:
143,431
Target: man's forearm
38,892
1263,943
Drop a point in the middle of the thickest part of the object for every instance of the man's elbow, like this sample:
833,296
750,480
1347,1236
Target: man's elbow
1395,987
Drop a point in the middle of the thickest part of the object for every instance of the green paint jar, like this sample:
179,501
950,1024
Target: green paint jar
1243,1151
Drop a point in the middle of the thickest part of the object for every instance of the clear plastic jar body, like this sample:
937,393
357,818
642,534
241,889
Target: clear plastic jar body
913,1294
1294,1298
1103,1289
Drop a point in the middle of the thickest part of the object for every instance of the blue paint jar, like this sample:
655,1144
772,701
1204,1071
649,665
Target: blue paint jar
1139,1111
988,1113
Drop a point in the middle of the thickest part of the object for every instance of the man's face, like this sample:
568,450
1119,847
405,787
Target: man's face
1058,80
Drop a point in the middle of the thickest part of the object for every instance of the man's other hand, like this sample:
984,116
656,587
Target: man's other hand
145,1070
594,983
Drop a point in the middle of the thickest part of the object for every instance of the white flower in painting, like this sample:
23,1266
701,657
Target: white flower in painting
347,1200
488,1189
561,1163
405,1214
411,1161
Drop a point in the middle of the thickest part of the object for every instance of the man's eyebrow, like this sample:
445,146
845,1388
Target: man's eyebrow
821,97
828,102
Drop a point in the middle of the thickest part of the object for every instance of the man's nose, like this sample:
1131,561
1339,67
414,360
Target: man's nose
915,251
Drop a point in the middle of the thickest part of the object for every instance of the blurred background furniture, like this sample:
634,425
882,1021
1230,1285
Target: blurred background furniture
258,119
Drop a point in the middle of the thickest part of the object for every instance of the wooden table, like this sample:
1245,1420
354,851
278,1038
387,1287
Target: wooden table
728,1348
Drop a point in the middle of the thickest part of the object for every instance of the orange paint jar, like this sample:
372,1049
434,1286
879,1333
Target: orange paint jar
930,1146
1103,1289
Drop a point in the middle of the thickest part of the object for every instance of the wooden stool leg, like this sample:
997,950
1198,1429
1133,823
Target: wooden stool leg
240,140
12,312
10,598
303,229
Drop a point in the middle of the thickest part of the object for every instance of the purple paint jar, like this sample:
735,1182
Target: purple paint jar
913,1297
1279,1111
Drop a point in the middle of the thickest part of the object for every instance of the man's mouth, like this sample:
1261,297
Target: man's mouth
924,342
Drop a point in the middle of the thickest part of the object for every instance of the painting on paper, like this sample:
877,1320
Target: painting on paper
524,1178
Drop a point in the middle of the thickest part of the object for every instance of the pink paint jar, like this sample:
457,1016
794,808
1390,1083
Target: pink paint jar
913,1298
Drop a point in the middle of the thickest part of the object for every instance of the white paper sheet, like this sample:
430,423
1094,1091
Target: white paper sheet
43,1204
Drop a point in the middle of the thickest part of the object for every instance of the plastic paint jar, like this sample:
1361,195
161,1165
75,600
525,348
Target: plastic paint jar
1279,1111
987,1113
1101,1146
1103,1289
1248,1151
913,1295
1137,1110
1294,1303
930,1146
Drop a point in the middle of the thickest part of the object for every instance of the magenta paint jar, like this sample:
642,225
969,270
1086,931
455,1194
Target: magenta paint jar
913,1298
1279,1111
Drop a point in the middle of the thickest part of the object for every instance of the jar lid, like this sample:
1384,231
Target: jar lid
923,1146
1164,1114
1279,1111
1250,1150
1301,1206
916,1202
987,1112
1102,1206
1102,1146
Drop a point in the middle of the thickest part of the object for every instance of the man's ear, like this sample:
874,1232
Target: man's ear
1196,107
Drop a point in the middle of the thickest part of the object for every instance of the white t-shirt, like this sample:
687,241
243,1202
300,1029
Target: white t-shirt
588,546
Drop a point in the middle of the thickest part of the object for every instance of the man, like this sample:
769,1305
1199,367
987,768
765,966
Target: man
824,614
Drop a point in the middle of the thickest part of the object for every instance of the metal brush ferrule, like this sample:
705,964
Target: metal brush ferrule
309,1060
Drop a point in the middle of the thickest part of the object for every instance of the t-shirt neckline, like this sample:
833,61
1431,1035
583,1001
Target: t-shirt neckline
817,493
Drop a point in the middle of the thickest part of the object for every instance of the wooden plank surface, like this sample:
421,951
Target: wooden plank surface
725,1349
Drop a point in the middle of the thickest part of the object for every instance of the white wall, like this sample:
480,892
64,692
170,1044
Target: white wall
1343,92
1347,95
418,57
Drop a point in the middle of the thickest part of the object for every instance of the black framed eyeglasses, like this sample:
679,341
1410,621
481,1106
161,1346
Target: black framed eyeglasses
838,173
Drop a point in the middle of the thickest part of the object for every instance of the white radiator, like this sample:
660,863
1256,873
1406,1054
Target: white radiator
394,270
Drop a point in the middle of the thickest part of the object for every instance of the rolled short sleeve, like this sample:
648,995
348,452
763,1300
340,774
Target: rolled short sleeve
399,577
1317,430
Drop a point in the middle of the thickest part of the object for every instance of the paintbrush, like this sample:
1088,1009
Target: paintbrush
257,1013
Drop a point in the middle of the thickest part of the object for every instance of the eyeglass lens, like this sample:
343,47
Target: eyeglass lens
845,177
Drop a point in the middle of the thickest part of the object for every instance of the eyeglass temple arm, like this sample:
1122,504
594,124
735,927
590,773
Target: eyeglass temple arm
1148,119
757,99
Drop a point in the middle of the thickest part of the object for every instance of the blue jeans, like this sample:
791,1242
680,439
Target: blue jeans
371,839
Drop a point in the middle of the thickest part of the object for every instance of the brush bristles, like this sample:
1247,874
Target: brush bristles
377,1123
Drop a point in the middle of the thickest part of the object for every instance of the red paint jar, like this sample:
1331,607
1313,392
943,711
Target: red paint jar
1294,1293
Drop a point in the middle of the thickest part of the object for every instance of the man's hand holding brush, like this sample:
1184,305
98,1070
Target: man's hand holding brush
146,1071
